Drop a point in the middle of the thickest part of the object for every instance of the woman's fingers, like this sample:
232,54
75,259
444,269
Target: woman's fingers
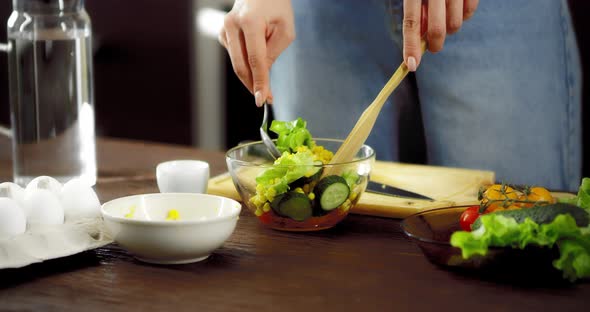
469,7
255,33
237,51
437,19
454,15
221,37
254,36
411,33
437,28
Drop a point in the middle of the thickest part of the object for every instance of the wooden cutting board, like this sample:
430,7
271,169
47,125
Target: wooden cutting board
448,186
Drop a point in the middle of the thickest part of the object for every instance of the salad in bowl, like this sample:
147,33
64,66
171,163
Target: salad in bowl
513,232
513,217
301,190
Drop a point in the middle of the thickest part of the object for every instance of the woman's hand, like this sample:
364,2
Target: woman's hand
254,33
435,19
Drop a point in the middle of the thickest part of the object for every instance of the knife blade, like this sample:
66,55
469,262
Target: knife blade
384,189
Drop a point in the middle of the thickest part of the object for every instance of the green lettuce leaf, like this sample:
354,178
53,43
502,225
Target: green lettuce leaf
582,199
292,134
499,231
298,165
584,194
351,177
273,179
286,169
574,258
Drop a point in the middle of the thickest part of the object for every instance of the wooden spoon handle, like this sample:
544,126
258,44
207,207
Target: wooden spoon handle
358,135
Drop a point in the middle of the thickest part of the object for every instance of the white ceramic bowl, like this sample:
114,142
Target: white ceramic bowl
138,223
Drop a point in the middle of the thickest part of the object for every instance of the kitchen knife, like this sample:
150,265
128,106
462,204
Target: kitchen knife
384,189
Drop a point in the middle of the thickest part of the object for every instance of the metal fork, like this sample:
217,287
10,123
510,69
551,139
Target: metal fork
270,145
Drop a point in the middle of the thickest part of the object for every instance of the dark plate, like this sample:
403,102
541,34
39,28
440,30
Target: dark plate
431,231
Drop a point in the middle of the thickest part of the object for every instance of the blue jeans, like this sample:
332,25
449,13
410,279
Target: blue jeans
503,95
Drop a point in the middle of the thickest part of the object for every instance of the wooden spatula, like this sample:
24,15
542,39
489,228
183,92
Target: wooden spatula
358,135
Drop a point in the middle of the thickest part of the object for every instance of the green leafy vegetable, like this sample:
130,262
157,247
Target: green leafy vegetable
351,177
584,194
583,197
286,169
575,258
292,134
499,231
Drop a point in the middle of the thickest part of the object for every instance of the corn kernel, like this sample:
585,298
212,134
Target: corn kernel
258,212
311,196
131,212
173,215
266,207
346,205
271,193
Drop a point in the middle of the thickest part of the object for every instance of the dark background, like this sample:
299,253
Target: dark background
142,72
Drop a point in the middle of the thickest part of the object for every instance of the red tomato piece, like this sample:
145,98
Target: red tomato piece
265,218
468,217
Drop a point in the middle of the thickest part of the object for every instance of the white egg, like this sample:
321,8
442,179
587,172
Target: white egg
45,183
12,218
43,207
79,200
12,191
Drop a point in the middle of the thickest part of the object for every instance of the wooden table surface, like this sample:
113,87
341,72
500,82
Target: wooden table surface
363,264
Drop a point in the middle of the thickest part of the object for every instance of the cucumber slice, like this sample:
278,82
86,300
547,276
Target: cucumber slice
274,205
331,192
543,214
294,205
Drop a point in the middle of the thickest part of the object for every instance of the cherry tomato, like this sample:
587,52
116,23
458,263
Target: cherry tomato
499,196
265,218
513,207
494,208
537,194
468,217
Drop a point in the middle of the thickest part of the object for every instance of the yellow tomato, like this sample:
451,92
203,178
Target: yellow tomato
537,194
493,208
499,191
498,197
514,207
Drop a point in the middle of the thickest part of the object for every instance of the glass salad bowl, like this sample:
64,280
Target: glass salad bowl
299,191
431,230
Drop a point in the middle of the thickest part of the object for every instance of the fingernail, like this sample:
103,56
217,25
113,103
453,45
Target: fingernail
258,98
411,64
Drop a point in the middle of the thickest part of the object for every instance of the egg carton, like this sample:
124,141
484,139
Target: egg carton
45,242
48,220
